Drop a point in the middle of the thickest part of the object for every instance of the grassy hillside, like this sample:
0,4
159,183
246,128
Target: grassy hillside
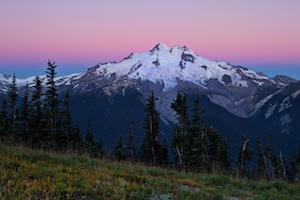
28,174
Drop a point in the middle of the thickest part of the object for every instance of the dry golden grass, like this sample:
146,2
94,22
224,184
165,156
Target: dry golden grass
30,174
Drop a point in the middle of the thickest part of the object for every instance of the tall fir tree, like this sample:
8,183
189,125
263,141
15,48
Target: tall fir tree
4,119
100,150
75,139
59,137
13,96
298,164
151,148
197,152
217,152
225,158
67,118
51,97
269,159
295,166
89,138
131,146
63,125
119,152
164,153
260,167
245,154
298,156
36,113
181,133
25,116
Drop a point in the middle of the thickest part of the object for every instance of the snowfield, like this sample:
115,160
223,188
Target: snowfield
166,66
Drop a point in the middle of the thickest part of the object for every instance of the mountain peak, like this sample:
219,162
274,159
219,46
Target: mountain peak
159,46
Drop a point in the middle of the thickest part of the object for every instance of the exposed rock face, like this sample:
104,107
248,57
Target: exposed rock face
187,57
226,79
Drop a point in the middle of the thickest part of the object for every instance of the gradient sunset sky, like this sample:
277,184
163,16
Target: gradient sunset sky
263,35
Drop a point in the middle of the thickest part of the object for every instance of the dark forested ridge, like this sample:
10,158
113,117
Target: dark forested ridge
40,118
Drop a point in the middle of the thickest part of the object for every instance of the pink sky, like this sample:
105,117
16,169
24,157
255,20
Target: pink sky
91,31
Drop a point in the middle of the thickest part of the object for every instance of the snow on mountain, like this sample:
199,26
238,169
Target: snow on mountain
166,66
4,78
7,79
168,70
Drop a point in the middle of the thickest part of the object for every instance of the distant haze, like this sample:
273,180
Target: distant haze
262,35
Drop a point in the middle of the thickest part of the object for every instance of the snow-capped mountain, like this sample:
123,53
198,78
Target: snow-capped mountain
233,91
238,89
167,66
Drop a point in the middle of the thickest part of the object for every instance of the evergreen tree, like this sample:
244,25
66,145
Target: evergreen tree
298,156
100,151
51,97
196,151
13,95
269,159
225,159
218,158
244,154
295,166
48,137
131,145
75,138
59,137
89,139
260,168
164,154
36,113
151,148
4,123
25,115
119,152
181,133
63,125
67,119
298,163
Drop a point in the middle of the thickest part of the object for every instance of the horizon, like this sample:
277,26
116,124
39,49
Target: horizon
62,71
262,36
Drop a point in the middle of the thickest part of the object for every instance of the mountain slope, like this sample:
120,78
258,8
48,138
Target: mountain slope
282,111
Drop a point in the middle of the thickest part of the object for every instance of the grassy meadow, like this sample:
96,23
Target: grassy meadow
33,174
